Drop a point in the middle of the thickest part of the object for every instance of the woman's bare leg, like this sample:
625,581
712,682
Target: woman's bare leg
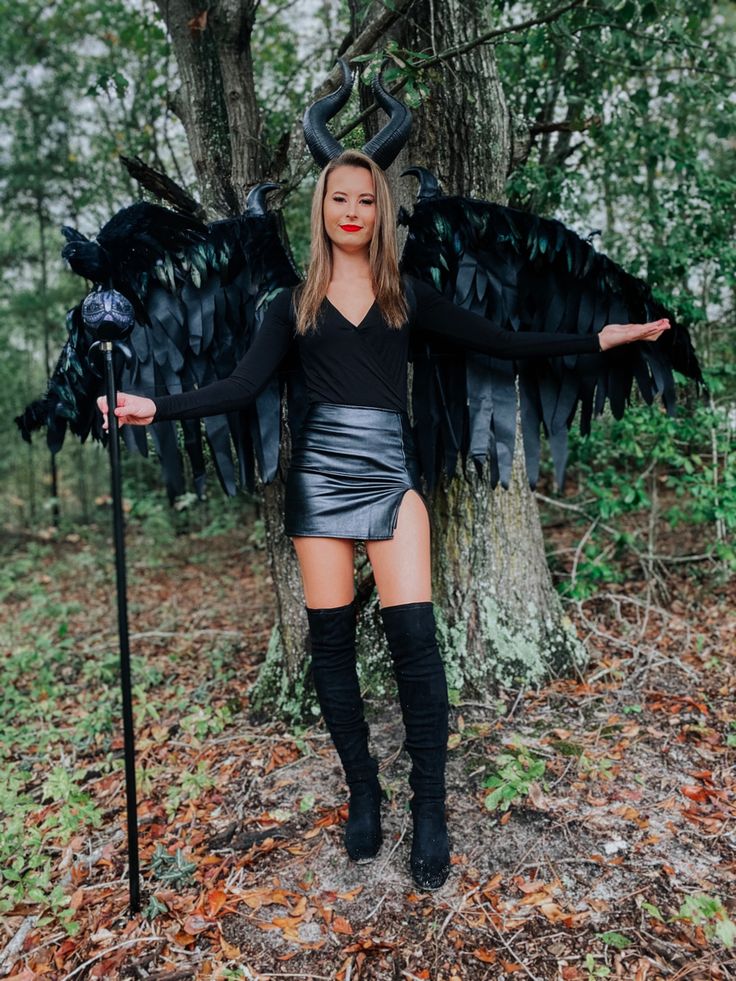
401,565
327,569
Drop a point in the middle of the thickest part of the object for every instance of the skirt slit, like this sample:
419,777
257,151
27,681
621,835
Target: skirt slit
350,468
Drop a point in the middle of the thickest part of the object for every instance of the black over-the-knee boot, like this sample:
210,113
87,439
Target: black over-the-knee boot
332,633
420,676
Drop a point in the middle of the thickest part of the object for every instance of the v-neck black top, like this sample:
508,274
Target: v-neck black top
363,364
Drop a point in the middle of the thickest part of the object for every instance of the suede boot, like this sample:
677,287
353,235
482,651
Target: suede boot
420,676
332,634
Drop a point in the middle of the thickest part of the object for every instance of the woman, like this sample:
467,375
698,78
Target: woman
354,475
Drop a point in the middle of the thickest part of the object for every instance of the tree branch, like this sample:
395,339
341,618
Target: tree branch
372,31
565,125
452,52
364,42
498,32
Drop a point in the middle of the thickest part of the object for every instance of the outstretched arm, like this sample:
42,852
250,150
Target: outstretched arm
238,390
438,315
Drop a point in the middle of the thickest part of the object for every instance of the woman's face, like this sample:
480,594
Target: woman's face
349,208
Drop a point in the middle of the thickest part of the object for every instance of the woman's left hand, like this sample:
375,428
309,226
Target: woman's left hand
614,334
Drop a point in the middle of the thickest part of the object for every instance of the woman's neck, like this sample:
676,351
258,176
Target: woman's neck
350,266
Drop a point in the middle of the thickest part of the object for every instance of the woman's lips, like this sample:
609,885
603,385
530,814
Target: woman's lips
350,228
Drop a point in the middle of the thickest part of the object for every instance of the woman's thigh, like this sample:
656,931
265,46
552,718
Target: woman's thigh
402,565
326,566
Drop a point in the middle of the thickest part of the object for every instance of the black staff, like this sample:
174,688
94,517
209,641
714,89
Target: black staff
109,315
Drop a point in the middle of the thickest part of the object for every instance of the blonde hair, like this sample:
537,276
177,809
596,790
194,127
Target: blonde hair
383,251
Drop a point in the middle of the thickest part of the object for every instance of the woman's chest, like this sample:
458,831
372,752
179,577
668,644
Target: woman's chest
338,337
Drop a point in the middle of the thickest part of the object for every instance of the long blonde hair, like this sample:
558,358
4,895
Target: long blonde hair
383,252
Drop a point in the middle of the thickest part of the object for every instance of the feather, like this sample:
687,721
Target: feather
522,271
195,290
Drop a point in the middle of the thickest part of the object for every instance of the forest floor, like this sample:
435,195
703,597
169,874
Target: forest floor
616,855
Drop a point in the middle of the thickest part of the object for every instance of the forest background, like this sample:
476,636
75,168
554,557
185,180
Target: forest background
633,123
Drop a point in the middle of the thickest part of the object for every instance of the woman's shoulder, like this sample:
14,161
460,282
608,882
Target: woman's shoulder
417,284
424,293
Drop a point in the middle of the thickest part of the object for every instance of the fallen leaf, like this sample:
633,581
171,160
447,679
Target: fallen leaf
350,895
230,950
196,923
341,925
216,899
487,956
695,793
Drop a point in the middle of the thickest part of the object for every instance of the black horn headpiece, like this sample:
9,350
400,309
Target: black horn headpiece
385,145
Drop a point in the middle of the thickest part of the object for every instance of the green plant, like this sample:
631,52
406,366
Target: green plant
647,465
189,787
600,769
595,970
26,868
173,870
709,913
731,736
155,906
613,939
515,775
206,720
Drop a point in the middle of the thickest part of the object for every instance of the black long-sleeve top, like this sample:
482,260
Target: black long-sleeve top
364,364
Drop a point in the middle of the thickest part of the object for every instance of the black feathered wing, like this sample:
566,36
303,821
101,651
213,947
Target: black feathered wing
524,272
200,294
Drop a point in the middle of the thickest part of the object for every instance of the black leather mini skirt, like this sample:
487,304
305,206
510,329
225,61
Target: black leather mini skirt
350,468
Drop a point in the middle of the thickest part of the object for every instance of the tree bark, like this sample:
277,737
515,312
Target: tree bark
499,617
216,100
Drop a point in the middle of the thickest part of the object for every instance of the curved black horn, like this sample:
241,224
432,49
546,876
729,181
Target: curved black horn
388,141
255,203
428,185
322,144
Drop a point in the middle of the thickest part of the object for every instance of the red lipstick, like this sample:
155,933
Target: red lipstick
350,228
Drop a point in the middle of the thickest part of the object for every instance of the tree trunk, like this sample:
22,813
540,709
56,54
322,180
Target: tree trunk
216,101
499,617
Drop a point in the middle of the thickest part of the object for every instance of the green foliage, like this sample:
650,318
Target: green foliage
205,720
172,870
704,911
613,939
61,703
516,772
731,736
26,867
679,472
709,913
595,970
155,906
190,786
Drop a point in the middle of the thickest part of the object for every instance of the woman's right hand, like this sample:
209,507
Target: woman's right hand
133,409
